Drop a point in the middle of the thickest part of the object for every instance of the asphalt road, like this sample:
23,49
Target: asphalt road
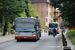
45,43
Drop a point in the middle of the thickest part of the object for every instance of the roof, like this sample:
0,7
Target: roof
39,0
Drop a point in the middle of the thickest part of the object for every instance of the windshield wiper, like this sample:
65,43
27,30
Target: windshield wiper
22,30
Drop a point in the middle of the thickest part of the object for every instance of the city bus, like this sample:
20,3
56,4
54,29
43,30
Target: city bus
27,28
53,25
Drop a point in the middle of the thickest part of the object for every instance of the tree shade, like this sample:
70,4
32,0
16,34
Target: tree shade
67,9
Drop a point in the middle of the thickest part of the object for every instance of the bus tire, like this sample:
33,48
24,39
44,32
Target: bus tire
57,33
18,40
38,36
49,33
36,39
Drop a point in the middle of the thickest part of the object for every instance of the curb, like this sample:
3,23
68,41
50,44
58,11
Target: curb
6,38
7,41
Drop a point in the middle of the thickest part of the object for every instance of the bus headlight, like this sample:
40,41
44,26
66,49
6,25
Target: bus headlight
34,34
16,34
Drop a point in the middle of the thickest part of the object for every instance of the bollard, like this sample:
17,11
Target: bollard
65,43
67,48
64,39
63,36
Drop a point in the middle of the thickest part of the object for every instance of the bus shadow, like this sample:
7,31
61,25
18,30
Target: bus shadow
27,41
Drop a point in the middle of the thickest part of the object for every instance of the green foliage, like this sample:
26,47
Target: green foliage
9,28
10,9
67,9
71,35
27,9
22,14
66,23
44,27
33,12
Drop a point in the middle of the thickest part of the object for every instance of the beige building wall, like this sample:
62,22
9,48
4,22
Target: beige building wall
46,12
50,14
59,19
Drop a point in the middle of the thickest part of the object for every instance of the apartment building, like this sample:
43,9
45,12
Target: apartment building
45,10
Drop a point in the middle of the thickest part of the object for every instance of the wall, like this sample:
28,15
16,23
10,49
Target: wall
46,12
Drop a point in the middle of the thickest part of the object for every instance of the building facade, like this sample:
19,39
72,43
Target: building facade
45,10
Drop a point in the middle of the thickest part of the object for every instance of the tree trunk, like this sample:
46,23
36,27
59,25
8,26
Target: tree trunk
5,27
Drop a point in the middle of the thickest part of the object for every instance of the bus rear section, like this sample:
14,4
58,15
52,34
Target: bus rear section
52,26
25,29
25,35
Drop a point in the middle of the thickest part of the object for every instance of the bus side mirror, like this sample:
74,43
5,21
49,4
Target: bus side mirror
13,25
35,27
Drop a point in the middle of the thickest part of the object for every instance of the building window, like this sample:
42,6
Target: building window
46,5
47,13
32,4
46,19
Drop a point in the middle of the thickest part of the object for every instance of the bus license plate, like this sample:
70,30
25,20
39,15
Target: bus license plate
25,37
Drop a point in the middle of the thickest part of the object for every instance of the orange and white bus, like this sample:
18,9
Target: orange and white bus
27,28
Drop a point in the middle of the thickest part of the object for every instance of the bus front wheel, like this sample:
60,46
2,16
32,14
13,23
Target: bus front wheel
18,40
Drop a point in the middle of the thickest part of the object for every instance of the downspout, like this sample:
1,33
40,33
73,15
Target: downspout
45,13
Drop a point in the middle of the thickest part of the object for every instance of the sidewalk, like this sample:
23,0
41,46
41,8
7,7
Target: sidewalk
6,38
69,44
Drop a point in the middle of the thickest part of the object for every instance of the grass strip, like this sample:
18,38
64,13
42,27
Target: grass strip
71,35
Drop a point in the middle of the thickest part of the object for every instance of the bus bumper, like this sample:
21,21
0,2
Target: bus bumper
25,37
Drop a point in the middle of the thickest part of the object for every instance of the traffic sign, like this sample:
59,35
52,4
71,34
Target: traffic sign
61,24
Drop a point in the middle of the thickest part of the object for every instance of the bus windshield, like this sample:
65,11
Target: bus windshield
25,25
52,25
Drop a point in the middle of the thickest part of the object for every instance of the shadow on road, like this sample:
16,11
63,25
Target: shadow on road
27,41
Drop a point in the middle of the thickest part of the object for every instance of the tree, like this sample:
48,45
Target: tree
67,9
10,9
32,10
22,14
27,9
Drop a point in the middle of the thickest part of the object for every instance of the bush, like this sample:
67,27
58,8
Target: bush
9,27
44,27
71,35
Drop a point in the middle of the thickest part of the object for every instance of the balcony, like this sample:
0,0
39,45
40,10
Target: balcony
55,11
55,18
